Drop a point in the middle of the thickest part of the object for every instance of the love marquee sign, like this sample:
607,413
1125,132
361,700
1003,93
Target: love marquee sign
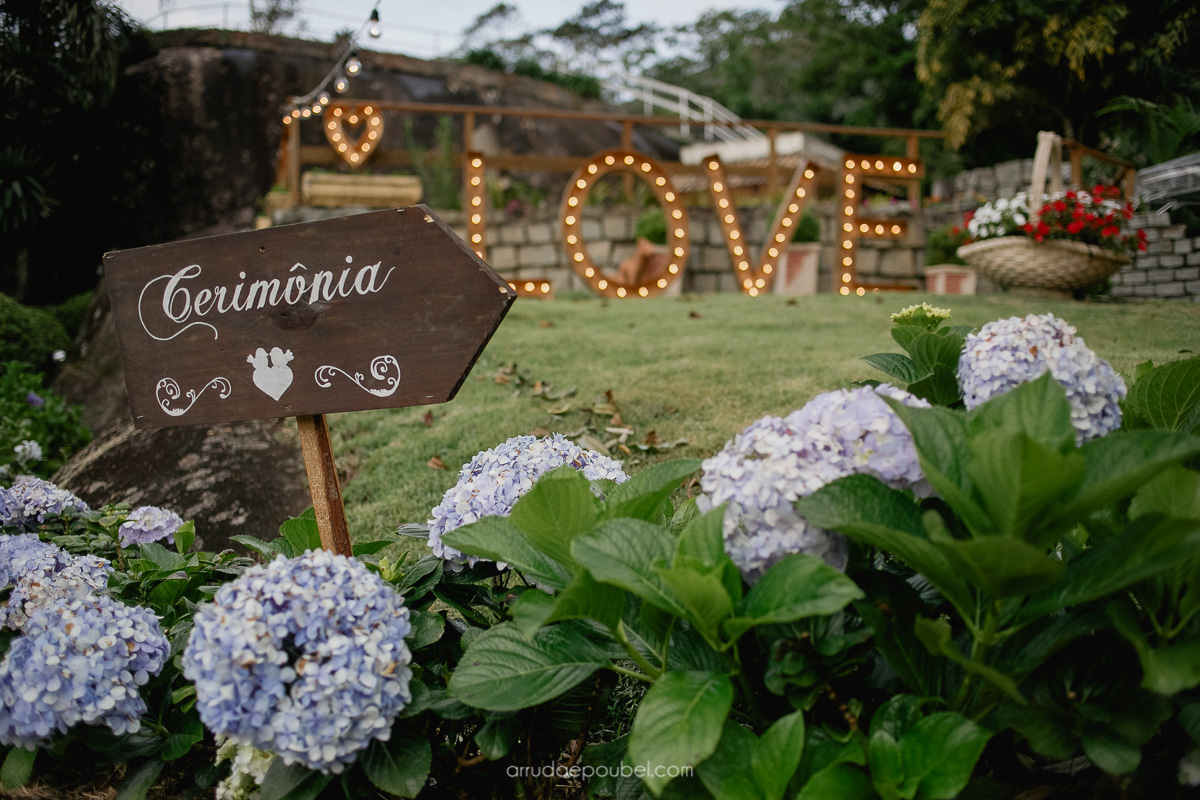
378,310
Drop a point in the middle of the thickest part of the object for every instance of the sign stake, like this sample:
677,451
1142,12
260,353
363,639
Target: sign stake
323,483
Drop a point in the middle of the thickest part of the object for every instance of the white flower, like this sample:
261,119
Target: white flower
28,450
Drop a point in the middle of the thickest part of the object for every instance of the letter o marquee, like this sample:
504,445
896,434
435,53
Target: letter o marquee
647,169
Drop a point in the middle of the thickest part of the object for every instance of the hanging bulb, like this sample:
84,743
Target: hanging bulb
323,98
375,30
353,66
341,84
317,108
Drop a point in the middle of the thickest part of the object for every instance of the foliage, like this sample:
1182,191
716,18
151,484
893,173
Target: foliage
1001,68
30,413
651,225
808,228
71,312
59,62
585,86
600,34
941,245
1149,133
273,16
436,167
930,370
29,335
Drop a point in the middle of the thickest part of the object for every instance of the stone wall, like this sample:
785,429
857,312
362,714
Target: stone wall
975,186
1170,266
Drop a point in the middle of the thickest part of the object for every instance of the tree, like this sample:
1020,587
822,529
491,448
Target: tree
1018,65
59,61
600,34
273,16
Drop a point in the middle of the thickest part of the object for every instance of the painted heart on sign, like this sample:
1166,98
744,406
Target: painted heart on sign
355,150
275,378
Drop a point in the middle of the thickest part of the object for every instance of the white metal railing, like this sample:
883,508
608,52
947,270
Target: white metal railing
689,106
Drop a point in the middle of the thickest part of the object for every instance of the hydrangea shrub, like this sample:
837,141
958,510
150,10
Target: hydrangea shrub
80,661
304,657
491,483
1008,352
774,462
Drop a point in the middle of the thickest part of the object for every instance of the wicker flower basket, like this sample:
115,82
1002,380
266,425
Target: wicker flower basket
1022,262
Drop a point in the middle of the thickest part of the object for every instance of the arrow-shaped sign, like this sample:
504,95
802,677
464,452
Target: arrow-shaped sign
379,310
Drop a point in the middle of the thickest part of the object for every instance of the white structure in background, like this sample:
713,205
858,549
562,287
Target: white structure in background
734,142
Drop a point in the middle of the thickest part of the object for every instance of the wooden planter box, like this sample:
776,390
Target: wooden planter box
797,266
325,189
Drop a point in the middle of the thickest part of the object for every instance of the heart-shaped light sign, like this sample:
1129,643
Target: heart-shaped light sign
355,150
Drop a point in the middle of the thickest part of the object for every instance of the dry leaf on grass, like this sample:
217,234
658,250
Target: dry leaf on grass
436,463
428,418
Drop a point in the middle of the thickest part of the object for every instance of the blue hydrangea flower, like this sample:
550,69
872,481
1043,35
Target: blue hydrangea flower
42,575
302,657
1009,352
80,661
495,479
35,400
774,462
31,500
149,524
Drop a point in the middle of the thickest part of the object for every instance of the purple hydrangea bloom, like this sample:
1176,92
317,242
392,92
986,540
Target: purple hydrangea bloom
303,657
42,575
80,661
35,400
31,500
149,524
1009,352
774,462
495,479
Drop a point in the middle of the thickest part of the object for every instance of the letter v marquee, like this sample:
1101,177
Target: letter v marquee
755,280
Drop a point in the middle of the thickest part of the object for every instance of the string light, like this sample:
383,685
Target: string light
347,63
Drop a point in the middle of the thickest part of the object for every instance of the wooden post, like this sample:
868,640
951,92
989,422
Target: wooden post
627,144
1130,178
912,149
323,483
772,162
1076,168
294,161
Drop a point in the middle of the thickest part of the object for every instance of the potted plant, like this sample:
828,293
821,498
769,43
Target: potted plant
1072,240
799,263
945,272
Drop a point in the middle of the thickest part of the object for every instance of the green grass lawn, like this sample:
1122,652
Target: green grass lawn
697,368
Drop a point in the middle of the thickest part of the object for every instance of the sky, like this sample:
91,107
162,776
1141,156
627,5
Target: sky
420,29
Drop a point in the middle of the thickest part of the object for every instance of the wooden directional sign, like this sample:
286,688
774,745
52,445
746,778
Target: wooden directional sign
378,310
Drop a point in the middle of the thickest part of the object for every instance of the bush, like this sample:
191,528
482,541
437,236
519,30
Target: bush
486,58
71,312
941,245
30,335
651,225
808,229
29,413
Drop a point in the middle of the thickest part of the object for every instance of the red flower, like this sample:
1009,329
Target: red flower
955,231
1028,227
1059,205
968,216
1071,195
1039,237
1075,227
1042,228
